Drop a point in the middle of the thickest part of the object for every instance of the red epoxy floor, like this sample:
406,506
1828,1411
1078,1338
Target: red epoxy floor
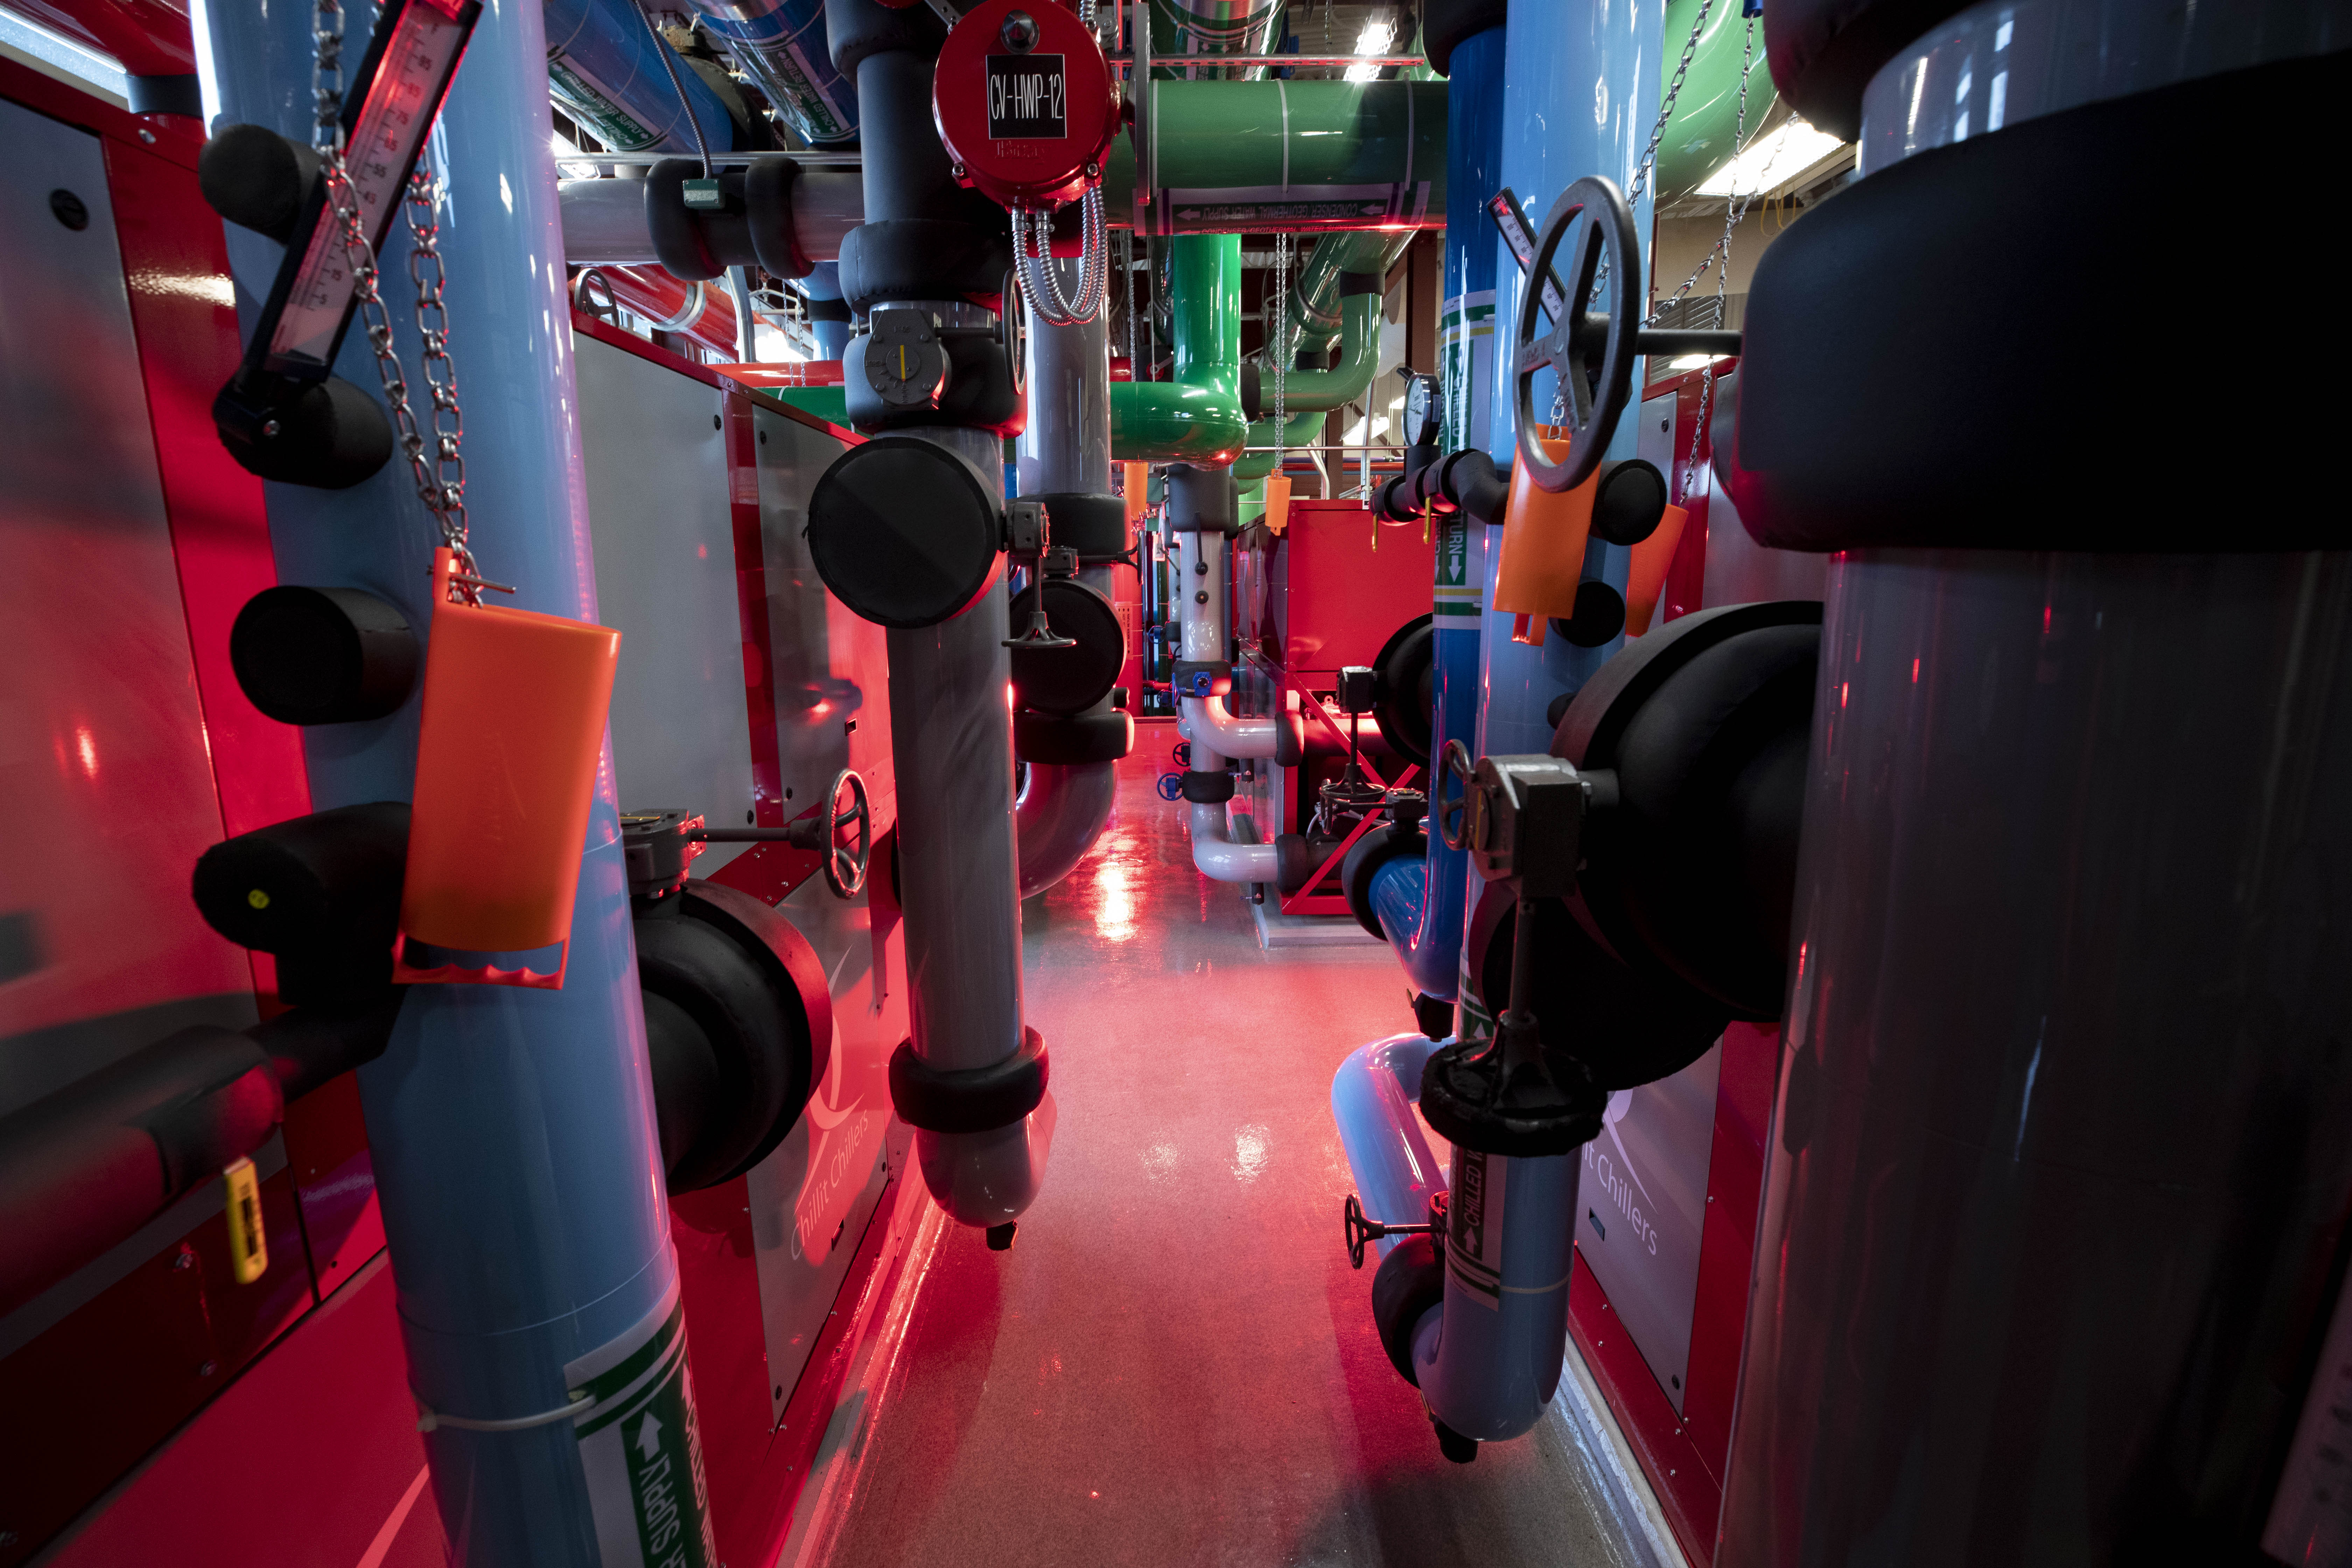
1175,1363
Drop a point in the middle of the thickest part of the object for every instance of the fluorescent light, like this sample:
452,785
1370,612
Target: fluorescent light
1689,362
1375,39
1782,153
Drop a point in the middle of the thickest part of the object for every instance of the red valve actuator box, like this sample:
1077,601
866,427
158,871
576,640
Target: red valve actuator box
1024,100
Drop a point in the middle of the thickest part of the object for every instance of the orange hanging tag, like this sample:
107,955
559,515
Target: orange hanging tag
1529,629
1277,502
1139,491
507,756
1646,577
1544,536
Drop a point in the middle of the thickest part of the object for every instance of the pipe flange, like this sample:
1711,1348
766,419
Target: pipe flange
975,1100
1468,1099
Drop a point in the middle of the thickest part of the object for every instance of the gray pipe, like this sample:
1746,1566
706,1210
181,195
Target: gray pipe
1066,449
605,220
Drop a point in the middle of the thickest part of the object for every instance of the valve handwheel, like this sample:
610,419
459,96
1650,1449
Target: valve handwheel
845,864
1593,355
1590,351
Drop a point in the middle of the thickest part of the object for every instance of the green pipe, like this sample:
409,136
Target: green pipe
1196,417
1266,432
1313,320
1698,138
1292,156
1320,391
1182,34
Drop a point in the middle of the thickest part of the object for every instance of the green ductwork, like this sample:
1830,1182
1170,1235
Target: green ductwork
1196,417
1698,138
1288,156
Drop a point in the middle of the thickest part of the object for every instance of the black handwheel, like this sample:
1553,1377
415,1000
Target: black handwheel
845,864
1593,355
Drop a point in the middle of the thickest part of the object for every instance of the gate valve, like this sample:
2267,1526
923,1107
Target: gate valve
1359,1230
658,845
1026,105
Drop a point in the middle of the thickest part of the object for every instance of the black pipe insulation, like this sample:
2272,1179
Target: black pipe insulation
83,1169
1466,480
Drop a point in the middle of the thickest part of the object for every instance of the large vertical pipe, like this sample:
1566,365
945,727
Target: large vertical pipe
951,729
1064,449
2058,1165
1579,96
512,1130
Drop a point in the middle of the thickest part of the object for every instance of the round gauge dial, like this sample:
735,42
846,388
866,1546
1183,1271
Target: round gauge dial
1424,410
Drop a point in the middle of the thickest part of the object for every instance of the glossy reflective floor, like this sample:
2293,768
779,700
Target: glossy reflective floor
1175,1363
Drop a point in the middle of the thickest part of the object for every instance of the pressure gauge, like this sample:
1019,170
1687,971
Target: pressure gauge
411,60
1424,410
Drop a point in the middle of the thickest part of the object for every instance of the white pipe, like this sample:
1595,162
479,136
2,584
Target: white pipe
1207,720
1215,855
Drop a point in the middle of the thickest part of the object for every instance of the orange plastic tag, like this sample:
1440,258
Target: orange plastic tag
1646,577
1277,501
1138,490
507,756
1544,536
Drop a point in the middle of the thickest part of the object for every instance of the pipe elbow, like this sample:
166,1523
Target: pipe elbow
1059,817
1212,723
1215,855
1197,421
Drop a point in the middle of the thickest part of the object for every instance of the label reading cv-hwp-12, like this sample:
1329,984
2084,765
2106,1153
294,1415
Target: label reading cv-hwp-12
1473,1241
641,1445
1028,98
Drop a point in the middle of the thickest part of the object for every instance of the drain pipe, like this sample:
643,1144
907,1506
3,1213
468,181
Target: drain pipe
951,732
1063,459
512,1130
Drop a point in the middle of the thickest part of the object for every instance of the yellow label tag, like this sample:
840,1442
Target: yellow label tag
248,1241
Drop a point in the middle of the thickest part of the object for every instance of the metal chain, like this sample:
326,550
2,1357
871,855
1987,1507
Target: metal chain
1736,205
1733,209
1658,130
327,77
1280,341
441,483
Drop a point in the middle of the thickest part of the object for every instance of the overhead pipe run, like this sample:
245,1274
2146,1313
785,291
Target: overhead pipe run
781,44
703,312
806,213
605,71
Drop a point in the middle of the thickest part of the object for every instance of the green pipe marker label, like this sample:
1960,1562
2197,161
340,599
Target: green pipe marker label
1454,595
641,1447
1474,1214
1465,360
585,100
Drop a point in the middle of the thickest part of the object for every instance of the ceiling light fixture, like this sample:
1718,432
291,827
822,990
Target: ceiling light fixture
1781,153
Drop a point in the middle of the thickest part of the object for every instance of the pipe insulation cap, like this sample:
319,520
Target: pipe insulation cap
904,531
324,655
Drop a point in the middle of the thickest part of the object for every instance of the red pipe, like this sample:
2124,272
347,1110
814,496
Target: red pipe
701,312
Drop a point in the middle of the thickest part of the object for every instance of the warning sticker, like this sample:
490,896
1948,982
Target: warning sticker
1474,1242
641,1445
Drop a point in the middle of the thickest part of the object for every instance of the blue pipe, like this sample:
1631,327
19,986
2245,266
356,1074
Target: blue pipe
605,70
1422,904
824,282
512,1130
1371,1100
1579,95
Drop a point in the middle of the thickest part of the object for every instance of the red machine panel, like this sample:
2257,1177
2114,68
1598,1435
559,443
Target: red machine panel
1341,585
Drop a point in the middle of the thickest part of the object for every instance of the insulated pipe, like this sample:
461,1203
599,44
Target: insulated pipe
1295,157
828,315
1320,391
1372,1100
1201,608
1298,429
702,311
512,1130
951,732
604,221
781,44
1316,316
605,69
1215,855
1064,449
1707,111
1196,416
1183,30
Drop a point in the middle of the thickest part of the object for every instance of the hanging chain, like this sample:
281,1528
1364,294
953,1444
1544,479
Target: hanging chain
1280,339
1658,130
1733,209
440,483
